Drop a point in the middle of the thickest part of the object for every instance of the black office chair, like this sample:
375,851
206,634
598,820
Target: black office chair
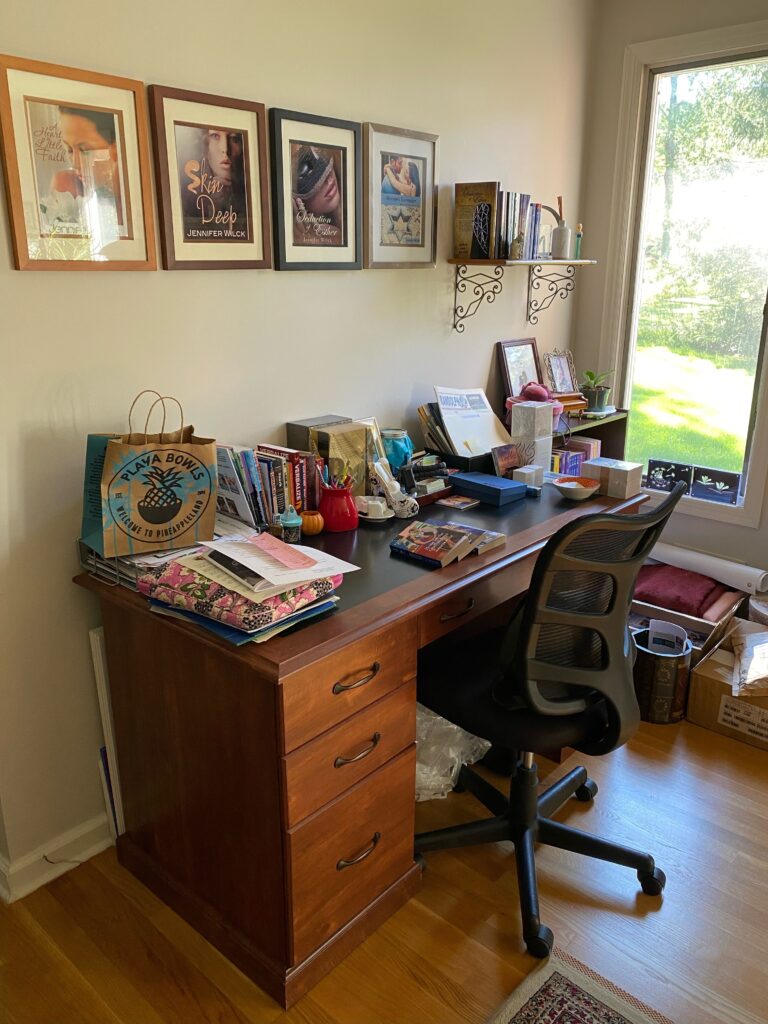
559,675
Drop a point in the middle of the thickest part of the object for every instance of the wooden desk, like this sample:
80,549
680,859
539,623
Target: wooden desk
269,789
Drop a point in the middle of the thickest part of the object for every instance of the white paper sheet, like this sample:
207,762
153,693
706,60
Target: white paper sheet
472,425
273,571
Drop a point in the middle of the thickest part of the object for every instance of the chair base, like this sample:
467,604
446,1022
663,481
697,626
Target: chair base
524,820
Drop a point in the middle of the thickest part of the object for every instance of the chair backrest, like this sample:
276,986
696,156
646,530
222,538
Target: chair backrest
571,645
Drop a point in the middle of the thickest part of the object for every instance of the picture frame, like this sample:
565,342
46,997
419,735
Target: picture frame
519,362
76,156
210,155
561,373
316,165
400,169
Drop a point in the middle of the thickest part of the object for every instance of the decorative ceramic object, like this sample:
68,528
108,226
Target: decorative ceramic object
311,523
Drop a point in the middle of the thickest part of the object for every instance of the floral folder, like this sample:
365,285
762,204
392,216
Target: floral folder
181,587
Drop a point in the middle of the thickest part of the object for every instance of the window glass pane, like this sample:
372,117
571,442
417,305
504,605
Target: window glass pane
702,270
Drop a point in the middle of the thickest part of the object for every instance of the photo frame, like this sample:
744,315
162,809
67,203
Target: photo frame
76,157
561,373
519,362
400,168
211,172
316,167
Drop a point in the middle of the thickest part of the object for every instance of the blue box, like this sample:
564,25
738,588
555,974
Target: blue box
493,490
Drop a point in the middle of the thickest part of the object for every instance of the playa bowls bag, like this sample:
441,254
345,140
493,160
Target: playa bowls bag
148,492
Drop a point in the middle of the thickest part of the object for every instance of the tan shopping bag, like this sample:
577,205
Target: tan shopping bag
149,492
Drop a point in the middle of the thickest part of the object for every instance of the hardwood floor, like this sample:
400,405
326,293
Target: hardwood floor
96,946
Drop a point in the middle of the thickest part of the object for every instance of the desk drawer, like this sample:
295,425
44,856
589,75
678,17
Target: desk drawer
345,856
323,694
475,599
322,769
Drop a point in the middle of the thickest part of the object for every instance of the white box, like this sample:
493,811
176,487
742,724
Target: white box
618,479
532,476
531,419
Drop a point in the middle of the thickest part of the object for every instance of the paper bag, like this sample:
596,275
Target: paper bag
148,492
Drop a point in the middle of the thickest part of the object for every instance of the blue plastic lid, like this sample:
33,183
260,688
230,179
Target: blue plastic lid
290,517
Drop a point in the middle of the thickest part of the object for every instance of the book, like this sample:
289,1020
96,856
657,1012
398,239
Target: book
433,544
482,540
458,501
518,243
232,498
475,219
296,471
430,484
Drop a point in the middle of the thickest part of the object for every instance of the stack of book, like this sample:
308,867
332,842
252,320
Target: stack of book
436,545
257,484
566,463
435,435
491,223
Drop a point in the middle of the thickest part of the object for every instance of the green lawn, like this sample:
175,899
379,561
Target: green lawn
687,409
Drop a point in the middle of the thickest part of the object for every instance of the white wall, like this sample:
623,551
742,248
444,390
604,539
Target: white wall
503,86
620,23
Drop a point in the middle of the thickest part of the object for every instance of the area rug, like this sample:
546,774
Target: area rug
565,991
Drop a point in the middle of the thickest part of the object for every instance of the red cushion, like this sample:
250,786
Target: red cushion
677,589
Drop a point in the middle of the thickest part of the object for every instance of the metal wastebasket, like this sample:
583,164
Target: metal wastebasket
661,681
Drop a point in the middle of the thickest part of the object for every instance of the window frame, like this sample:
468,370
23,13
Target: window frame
642,61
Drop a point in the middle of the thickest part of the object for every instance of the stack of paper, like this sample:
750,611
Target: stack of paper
472,426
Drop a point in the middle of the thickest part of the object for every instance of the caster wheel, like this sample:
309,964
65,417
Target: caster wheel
652,882
586,794
540,945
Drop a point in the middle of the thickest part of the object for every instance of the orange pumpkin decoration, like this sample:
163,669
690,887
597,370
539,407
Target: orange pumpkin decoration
311,523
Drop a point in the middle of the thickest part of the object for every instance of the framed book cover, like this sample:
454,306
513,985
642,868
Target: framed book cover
400,172
317,192
211,170
76,168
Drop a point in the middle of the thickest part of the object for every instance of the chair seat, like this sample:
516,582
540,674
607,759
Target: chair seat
456,680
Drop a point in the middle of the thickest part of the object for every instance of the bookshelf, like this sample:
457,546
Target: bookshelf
611,429
482,279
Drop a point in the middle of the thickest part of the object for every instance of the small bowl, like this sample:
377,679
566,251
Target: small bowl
577,488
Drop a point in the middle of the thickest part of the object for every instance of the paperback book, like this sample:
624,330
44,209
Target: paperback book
433,544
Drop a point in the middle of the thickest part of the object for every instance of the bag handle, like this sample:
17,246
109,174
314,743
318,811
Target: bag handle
163,399
146,391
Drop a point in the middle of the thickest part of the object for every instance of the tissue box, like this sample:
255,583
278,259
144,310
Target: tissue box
531,420
531,476
617,479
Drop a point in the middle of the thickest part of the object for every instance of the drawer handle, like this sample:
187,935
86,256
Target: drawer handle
458,615
342,687
340,761
341,864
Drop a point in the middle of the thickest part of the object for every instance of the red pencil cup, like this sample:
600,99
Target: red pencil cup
337,507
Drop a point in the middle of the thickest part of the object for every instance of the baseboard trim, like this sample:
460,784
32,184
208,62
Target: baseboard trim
22,876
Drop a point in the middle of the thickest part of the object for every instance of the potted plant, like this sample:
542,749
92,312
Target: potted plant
594,389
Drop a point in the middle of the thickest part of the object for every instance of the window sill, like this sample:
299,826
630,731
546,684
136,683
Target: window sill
737,515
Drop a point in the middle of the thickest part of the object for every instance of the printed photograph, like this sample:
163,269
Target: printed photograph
521,368
80,179
213,181
318,174
402,200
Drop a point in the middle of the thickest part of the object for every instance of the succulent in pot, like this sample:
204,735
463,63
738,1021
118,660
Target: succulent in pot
595,390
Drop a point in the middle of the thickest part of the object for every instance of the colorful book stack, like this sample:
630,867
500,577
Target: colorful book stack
436,545
566,463
491,223
259,483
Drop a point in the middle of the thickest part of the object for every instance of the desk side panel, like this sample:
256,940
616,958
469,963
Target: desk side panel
195,731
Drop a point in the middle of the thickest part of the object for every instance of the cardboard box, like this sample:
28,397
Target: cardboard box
617,479
703,634
711,703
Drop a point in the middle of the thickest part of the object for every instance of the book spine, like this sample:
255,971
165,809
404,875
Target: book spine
511,223
399,552
501,220
535,233
522,224
257,485
267,480
278,466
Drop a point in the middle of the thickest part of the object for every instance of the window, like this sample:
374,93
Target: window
696,329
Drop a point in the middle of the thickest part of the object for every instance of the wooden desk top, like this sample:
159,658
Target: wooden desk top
387,589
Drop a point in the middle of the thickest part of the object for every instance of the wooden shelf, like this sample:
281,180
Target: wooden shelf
456,261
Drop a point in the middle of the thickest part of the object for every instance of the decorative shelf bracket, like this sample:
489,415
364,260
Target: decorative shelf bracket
558,281
482,284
